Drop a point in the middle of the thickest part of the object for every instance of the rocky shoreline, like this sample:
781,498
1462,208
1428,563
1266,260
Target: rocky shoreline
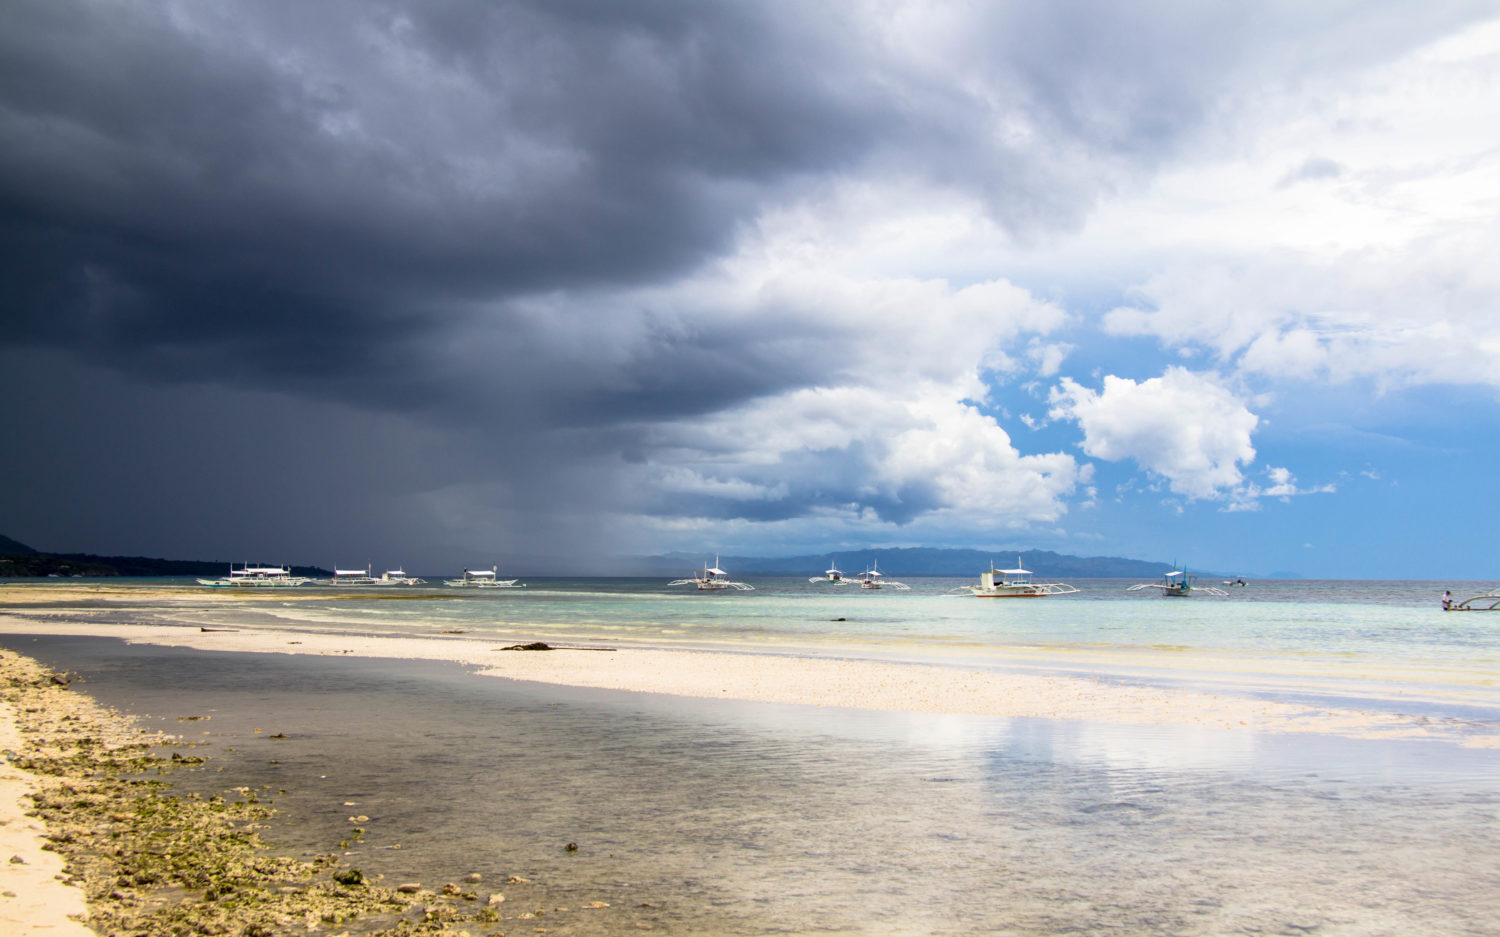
152,863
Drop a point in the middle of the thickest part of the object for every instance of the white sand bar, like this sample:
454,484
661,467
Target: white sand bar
811,681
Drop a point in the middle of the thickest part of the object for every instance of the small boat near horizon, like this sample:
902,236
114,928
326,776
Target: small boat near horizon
1013,584
1178,583
833,575
483,579
873,578
712,579
259,577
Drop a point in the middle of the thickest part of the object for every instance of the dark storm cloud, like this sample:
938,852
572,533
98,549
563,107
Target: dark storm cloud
284,189
288,195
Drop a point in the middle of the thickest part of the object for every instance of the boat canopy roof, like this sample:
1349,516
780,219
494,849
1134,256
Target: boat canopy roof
714,570
1018,571
351,572
480,573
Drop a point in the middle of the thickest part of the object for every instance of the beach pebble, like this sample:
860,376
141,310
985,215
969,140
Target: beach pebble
409,888
495,899
474,877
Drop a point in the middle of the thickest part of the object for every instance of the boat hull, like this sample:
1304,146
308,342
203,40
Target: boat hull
1011,595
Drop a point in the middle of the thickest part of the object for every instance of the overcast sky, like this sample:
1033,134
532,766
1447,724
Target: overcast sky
441,283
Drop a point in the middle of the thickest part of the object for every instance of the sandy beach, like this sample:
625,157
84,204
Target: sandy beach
33,897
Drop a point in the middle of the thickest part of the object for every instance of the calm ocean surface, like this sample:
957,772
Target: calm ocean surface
1291,639
710,817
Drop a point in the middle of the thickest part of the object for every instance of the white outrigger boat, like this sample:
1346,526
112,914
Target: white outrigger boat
1178,583
352,577
712,579
261,577
873,578
1012,584
398,577
483,579
833,575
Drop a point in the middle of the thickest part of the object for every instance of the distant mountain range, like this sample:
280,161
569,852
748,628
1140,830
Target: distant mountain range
17,559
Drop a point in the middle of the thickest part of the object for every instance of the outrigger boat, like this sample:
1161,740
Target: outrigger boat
1489,602
398,577
1012,584
873,578
262,577
712,579
1178,583
833,575
483,579
352,577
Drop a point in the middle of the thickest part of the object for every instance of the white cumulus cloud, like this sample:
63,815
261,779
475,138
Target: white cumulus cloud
1185,427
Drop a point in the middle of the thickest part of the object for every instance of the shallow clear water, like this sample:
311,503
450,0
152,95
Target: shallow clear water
722,818
697,817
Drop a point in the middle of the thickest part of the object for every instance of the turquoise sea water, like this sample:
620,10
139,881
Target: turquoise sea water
708,817
1328,639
